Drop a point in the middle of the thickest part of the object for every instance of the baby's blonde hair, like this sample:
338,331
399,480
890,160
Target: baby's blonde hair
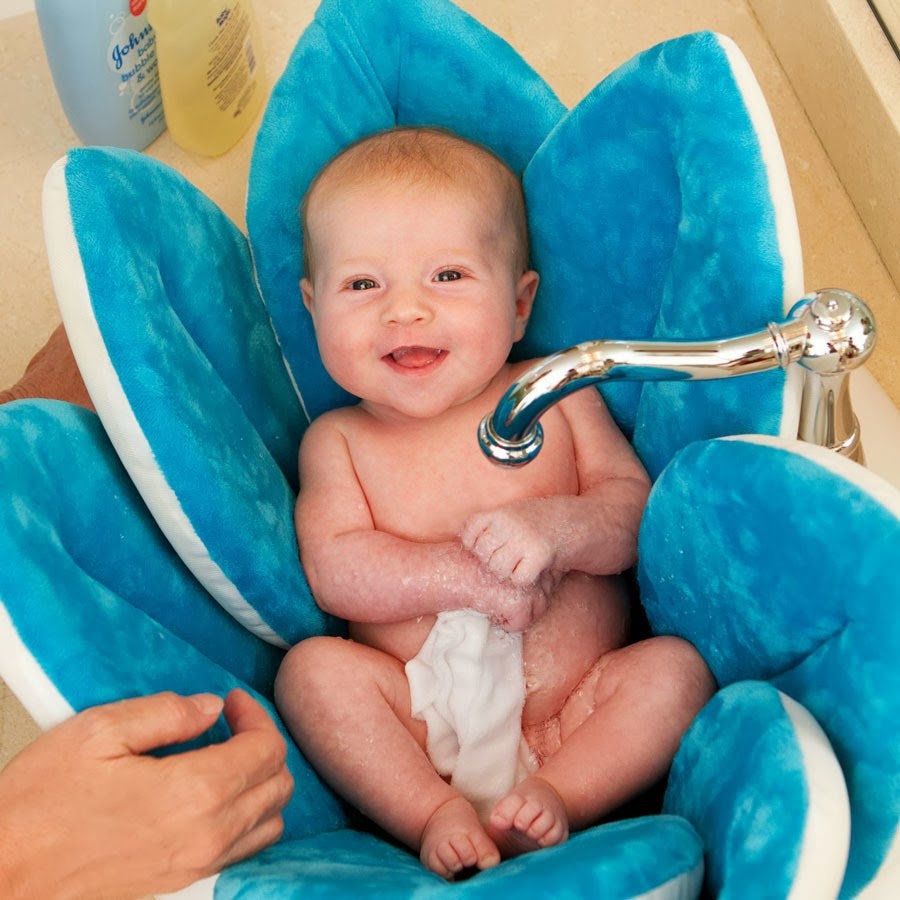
427,155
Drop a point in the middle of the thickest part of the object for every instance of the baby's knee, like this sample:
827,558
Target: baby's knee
685,672
309,668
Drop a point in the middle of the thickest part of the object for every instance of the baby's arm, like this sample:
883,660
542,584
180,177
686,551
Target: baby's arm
362,574
594,531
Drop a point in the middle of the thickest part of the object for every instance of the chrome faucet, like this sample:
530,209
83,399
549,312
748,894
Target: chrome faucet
828,333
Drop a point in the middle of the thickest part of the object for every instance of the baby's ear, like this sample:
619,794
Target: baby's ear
526,288
306,289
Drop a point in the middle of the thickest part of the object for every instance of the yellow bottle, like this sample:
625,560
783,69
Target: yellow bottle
210,70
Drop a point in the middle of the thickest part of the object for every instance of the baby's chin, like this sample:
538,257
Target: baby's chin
427,406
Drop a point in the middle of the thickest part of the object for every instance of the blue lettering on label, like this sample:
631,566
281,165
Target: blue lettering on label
120,50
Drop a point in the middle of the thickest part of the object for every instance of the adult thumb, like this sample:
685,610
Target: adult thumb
159,720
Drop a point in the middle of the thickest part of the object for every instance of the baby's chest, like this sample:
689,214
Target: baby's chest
426,490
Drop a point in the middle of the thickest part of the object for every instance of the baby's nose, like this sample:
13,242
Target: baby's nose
406,307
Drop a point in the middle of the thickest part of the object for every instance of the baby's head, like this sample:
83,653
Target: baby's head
416,260
425,157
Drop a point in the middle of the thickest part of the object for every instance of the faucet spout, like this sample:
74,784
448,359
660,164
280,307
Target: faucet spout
512,435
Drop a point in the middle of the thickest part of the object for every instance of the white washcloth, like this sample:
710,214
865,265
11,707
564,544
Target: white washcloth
468,686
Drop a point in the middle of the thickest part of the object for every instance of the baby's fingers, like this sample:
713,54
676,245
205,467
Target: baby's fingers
526,571
479,538
503,563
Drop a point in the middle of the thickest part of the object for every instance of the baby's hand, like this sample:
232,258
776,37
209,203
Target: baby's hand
513,607
510,542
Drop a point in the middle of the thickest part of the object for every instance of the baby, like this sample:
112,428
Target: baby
418,285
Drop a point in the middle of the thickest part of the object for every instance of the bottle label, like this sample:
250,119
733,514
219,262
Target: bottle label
232,61
132,57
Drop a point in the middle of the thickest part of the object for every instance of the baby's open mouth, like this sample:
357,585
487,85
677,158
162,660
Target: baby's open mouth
415,357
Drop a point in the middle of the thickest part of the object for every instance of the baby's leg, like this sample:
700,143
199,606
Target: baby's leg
619,733
348,707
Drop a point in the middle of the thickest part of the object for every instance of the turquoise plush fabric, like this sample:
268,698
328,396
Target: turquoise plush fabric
747,768
177,323
778,561
103,606
647,204
655,209
659,857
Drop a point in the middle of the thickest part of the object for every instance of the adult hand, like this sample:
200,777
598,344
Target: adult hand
51,373
83,813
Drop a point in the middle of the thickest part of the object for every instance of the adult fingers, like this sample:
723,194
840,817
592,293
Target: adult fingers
255,819
146,723
225,828
243,713
254,753
263,835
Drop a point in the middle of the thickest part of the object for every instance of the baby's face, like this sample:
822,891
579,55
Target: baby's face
414,297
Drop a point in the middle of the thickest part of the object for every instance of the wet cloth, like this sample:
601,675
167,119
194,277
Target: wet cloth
467,685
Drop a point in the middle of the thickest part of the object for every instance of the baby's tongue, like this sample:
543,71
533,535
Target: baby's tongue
415,357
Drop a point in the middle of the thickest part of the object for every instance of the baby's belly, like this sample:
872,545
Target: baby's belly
587,617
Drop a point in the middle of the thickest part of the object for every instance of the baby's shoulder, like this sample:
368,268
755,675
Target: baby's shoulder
586,402
329,427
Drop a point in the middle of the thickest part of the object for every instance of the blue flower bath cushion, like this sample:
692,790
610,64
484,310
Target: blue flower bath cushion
778,560
652,858
759,780
178,354
659,207
95,605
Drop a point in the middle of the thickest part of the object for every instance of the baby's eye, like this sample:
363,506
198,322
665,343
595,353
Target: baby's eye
448,275
363,284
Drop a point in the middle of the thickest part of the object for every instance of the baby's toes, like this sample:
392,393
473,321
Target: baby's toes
461,852
484,851
448,860
433,863
504,813
547,829
529,817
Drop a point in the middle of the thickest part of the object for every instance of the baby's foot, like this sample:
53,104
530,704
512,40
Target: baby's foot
454,840
532,816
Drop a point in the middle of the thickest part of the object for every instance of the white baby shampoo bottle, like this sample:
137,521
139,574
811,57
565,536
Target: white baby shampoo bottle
211,71
102,55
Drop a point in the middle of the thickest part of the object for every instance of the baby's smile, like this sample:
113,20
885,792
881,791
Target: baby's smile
415,358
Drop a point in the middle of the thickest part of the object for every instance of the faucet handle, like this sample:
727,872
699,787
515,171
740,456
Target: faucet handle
840,331
840,337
